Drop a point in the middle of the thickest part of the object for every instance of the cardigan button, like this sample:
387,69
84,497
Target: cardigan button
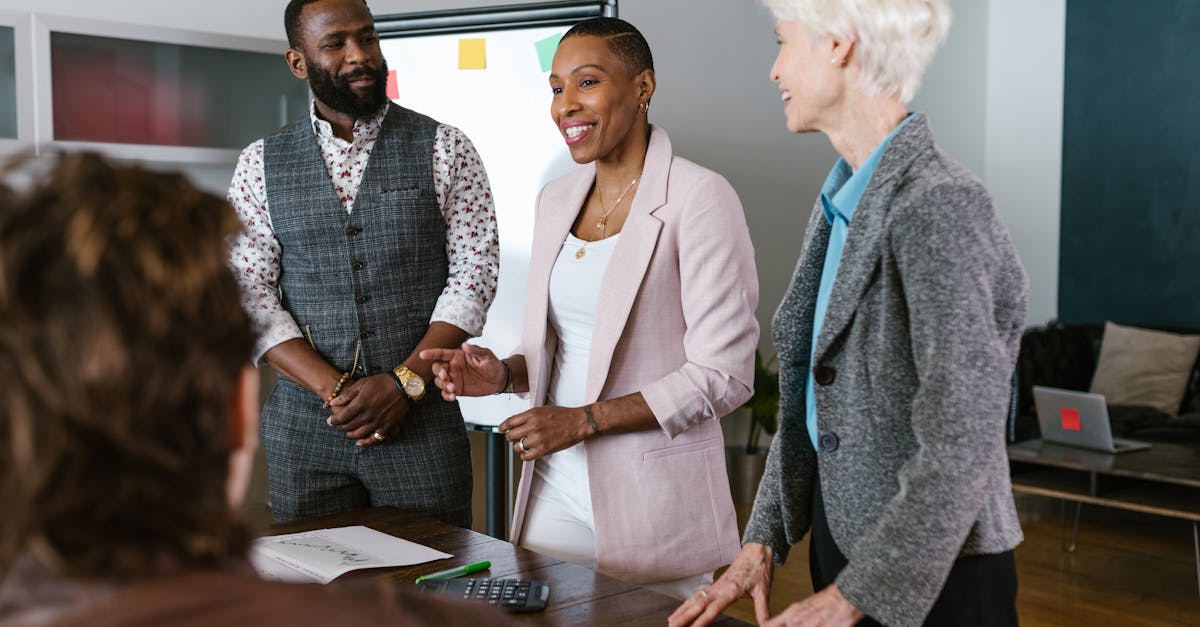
352,231
828,442
362,299
824,375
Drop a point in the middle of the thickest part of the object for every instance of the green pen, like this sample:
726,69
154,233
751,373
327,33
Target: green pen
457,572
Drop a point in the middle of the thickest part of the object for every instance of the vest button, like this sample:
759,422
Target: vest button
828,442
358,265
362,299
352,231
365,334
824,375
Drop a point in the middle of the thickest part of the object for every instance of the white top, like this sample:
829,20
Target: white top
574,293
463,194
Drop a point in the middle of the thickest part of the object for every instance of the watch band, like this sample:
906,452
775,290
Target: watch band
403,376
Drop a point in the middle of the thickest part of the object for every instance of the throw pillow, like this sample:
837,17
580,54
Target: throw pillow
1144,367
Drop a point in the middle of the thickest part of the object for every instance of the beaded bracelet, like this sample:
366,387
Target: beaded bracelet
337,389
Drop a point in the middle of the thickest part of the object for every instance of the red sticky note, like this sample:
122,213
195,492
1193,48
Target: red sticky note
1070,419
393,89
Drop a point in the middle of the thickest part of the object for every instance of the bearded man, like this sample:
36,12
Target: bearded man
370,236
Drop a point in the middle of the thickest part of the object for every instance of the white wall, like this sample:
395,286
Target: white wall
994,96
1026,59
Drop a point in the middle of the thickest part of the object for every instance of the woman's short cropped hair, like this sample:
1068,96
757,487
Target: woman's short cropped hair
623,38
121,340
895,40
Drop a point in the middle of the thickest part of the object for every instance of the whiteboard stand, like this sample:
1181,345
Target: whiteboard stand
496,465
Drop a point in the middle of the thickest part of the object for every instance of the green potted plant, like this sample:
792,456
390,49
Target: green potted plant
746,463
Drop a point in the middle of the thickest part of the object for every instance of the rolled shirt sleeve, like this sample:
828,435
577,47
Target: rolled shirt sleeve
255,255
472,242
722,332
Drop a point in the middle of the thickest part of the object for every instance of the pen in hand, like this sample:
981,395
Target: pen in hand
457,572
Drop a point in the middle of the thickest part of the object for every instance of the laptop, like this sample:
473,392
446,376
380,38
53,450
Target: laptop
1078,419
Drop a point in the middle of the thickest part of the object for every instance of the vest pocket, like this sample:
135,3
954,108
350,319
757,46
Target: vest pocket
404,192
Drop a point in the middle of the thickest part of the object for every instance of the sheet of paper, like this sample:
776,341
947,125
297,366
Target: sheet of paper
472,54
325,554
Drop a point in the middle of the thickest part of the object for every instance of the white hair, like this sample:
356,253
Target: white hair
895,40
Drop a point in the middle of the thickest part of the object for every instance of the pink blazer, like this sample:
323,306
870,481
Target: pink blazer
675,321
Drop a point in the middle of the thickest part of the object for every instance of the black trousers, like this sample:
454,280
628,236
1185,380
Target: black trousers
981,590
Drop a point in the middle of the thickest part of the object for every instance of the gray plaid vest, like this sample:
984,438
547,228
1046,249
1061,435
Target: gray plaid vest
374,275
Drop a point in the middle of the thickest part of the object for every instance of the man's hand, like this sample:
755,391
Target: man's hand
748,576
827,608
544,430
368,406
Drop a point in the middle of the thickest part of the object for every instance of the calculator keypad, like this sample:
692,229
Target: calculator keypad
505,592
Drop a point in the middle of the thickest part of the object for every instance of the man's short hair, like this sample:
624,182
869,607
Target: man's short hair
623,38
291,21
121,342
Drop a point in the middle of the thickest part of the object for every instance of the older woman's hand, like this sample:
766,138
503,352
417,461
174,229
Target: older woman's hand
544,430
827,608
748,576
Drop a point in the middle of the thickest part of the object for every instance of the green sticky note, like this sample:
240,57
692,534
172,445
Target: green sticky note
545,50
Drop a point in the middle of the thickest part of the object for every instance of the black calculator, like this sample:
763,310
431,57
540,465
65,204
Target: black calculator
514,595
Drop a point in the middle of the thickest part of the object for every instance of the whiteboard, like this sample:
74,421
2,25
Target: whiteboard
504,108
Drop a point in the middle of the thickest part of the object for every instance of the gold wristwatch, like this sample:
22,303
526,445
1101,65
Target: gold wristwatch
410,382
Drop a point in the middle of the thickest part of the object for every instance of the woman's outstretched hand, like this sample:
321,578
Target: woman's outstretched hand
467,371
748,576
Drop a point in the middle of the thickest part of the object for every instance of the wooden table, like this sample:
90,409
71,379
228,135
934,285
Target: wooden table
1164,480
578,596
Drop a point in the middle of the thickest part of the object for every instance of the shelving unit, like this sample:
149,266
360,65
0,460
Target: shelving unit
136,92
16,82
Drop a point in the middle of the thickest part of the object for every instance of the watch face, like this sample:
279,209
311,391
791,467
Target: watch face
414,386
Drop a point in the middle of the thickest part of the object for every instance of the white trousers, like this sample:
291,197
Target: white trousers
558,525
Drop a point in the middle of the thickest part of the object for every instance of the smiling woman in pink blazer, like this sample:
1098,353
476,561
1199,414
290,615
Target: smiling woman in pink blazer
639,335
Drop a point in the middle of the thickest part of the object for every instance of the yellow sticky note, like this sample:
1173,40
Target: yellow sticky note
472,54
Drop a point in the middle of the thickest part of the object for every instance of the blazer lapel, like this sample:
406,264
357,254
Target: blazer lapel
791,328
860,259
557,212
627,269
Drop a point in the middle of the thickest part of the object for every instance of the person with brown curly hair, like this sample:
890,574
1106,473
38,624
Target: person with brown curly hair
130,415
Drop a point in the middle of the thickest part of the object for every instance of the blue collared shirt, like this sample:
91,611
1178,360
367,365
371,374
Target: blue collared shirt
840,194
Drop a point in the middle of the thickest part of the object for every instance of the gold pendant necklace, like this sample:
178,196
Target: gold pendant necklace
602,225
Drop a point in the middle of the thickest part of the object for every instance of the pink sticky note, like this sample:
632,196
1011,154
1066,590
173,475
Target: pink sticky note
1070,419
393,89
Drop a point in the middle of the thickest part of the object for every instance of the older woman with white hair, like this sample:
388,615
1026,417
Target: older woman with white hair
897,340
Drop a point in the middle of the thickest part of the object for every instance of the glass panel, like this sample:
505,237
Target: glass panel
138,92
8,83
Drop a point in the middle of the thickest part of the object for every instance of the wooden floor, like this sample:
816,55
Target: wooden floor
1128,569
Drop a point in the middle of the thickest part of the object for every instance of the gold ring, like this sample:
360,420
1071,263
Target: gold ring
521,444
377,436
703,594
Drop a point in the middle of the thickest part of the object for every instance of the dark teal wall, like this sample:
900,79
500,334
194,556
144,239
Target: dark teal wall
1130,235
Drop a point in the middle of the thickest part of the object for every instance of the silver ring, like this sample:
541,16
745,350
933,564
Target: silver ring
377,436
521,445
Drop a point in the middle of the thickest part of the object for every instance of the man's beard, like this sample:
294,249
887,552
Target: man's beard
336,93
